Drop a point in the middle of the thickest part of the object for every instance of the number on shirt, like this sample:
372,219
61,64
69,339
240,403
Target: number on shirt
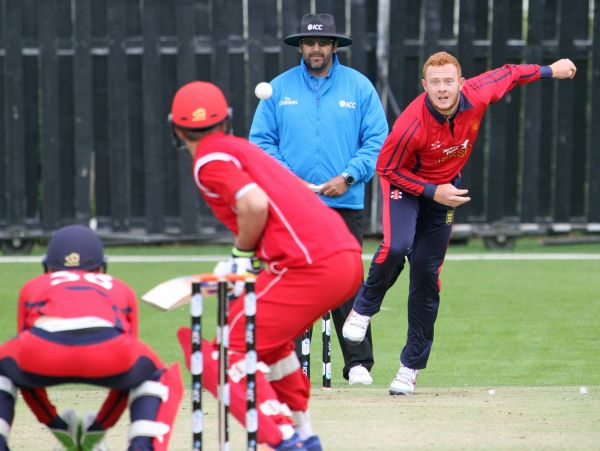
103,280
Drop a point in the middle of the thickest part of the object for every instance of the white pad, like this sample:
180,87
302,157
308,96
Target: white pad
87,419
286,430
148,428
149,388
71,417
4,429
271,407
7,385
283,367
238,370
302,424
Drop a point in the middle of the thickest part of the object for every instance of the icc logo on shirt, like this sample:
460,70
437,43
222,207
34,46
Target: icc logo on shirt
347,104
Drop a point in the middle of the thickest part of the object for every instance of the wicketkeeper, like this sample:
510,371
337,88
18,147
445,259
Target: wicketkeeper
77,324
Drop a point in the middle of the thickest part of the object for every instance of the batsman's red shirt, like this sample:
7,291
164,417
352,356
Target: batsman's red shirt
314,265
300,228
426,149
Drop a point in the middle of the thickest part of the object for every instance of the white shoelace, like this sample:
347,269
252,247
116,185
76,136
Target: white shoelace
406,376
359,320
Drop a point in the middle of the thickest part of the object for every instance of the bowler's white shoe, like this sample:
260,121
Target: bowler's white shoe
359,375
355,327
405,381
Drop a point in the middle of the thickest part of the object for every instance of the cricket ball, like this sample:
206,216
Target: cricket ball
263,90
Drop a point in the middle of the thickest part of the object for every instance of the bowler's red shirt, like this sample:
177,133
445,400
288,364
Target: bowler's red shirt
425,149
300,228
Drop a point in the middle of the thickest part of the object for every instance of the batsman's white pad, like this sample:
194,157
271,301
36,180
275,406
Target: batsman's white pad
7,385
283,367
271,417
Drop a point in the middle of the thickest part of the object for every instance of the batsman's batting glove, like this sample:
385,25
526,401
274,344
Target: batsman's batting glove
241,262
245,262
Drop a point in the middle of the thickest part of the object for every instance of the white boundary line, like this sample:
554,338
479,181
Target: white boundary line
366,257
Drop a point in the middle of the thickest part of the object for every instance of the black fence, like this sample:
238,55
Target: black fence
86,85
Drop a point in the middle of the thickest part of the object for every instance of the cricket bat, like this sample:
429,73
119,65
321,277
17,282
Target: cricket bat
173,293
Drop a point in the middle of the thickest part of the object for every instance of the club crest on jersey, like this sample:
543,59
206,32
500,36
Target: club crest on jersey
474,126
460,151
449,217
396,194
72,260
199,115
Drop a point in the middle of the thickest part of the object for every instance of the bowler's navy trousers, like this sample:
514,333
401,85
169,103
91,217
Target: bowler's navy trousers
417,229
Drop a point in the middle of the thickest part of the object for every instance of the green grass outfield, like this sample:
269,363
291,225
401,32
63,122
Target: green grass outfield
503,322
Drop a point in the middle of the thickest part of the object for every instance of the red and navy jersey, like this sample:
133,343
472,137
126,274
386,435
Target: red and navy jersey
300,228
78,294
425,149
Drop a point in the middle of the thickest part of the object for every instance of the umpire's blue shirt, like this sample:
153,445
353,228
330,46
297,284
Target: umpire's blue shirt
321,127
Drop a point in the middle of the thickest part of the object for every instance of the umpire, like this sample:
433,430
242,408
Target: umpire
326,124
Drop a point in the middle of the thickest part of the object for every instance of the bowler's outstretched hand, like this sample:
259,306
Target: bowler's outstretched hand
562,69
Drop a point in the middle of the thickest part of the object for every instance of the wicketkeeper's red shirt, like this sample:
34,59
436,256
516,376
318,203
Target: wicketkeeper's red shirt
300,228
78,294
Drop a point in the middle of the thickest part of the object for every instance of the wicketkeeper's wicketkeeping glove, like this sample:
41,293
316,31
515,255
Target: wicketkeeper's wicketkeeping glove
77,437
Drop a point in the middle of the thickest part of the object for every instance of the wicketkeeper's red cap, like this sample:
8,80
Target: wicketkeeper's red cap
198,105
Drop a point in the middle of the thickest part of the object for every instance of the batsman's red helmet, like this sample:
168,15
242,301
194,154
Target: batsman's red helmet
198,105
74,247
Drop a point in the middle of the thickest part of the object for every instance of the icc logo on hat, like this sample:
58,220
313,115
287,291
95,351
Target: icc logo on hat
313,25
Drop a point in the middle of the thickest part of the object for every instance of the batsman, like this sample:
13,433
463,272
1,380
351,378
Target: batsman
275,220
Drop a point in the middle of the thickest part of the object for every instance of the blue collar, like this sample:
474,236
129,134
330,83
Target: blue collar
463,104
334,65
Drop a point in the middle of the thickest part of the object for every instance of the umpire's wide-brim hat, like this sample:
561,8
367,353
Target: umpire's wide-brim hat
317,25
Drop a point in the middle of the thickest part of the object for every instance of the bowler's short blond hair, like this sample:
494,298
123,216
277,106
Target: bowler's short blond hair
441,59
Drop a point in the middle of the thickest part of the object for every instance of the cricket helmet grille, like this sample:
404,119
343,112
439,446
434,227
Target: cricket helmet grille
198,105
74,247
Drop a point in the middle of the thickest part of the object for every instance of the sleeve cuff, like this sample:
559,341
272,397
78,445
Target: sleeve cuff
429,190
545,72
236,252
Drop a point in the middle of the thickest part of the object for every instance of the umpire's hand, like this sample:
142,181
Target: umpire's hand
334,187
